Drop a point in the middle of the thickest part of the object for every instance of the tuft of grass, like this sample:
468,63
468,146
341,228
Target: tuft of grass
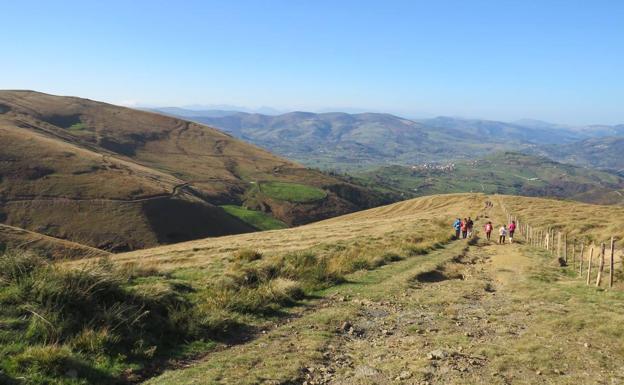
90,322
257,219
248,255
292,192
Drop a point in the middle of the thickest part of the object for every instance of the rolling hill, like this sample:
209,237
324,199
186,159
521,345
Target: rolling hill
602,152
353,141
121,179
356,141
347,142
13,238
379,296
502,173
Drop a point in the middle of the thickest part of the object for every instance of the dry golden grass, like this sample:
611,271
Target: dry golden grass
53,248
422,222
505,307
500,313
65,159
587,223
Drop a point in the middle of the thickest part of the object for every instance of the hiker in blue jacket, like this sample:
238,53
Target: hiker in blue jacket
457,227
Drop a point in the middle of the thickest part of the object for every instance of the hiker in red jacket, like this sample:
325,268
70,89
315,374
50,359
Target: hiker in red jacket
512,229
464,228
488,230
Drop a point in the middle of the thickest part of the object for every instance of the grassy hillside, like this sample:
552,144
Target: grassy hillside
503,173
589,222
257,219
203,294
325,302
13,238
292,192
120,179
604,153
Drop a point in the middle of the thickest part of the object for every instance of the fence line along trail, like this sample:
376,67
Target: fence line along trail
465,312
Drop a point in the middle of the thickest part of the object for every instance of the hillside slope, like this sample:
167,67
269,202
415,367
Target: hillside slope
353,141
603,153
12,238
390,298
503,173
119,179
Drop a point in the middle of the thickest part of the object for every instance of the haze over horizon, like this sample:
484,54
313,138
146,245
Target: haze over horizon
501,60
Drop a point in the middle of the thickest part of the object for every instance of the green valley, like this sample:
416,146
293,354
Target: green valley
501,173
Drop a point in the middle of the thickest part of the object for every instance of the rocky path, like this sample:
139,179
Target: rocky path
423,333
463,322
471,313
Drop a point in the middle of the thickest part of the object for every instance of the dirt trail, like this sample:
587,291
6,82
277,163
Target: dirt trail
471,313
507,263
461,323
43,198
428,331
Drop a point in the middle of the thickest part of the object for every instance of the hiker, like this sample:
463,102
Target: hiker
488,230
464,228
512,229
502,232
469,226
457,227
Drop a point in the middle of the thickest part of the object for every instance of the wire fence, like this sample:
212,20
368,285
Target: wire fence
595,262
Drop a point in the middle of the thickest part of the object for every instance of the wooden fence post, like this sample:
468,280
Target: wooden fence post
574,254
554,244
611,262
547,239
565,248
601,265
589,265
581,260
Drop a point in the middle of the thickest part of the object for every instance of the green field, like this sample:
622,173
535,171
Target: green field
292,192
257,219
77,127
501,173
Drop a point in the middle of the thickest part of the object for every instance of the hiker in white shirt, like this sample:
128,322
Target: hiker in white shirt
502,232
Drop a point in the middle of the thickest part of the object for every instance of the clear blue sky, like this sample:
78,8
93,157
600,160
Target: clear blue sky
554,60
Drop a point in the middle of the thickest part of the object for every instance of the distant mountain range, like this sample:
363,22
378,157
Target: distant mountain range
601,152
354,141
